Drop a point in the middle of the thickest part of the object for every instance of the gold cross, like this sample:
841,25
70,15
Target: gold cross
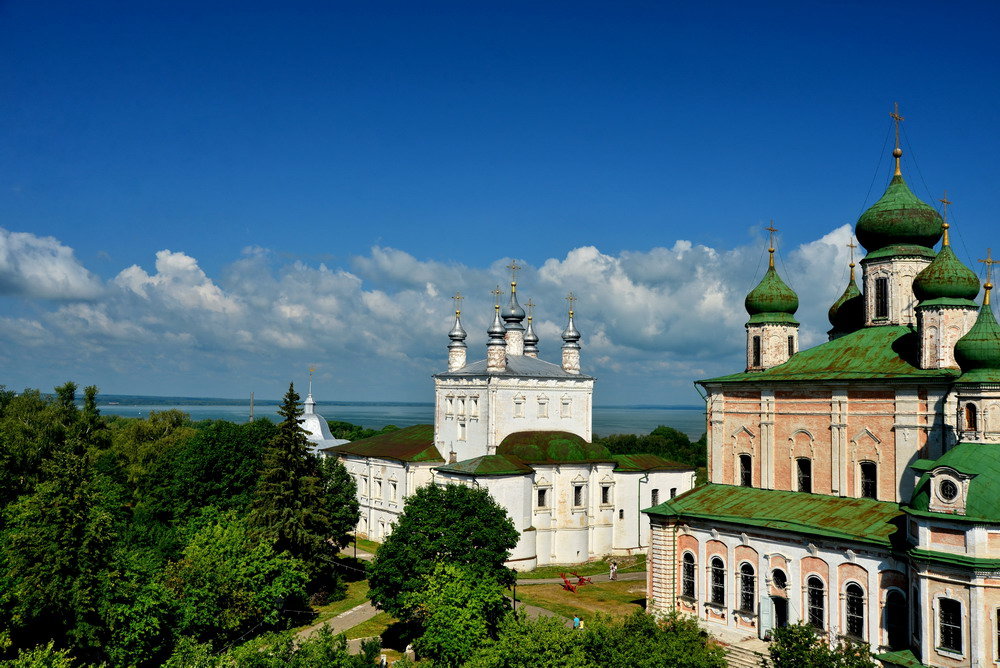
894,114
944,205
496,292
513,270
852,246
458,302
989,262
571,298
771,229
531,307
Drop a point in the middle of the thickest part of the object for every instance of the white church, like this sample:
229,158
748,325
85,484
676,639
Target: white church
521,428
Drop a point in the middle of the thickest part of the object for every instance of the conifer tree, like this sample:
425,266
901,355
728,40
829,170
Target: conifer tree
289,508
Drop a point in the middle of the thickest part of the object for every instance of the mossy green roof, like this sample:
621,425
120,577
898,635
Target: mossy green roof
552,447
862,520
979,460
848,313
412,444
488,465
772,297
889,352
902,659
978,352
899,222
626,463
946,276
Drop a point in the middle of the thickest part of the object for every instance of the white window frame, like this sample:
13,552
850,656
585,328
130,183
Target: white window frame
543,406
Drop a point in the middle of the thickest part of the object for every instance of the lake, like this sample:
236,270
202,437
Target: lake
607,419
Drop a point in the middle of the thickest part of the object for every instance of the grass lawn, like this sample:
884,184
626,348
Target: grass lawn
357,593
375,626
612,598
635,563
363,544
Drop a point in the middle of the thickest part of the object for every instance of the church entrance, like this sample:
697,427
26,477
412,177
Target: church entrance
780,611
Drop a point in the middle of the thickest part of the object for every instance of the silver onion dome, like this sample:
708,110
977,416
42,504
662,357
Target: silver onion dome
457,333
530,339
570,335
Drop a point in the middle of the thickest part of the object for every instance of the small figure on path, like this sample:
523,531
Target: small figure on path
576,622
614,570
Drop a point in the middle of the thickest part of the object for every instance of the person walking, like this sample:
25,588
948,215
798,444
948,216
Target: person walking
576,621
614,570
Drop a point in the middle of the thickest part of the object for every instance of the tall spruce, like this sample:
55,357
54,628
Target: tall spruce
289,508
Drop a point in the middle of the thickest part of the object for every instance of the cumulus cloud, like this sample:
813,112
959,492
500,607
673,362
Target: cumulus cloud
651,320
42,268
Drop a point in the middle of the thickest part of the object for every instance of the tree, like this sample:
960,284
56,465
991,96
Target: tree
527,643
459,525
290,507
802,646
640,640
458,611
340,495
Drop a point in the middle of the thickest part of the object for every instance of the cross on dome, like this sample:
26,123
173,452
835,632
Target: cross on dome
496,292
570,298
988,285
458,302
514,268
897,152
771,230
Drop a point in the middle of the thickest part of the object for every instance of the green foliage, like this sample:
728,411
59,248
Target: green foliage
323,649
227,583
42,657
802,646
340,496
353,432
636,641
460,525
459,610
664,441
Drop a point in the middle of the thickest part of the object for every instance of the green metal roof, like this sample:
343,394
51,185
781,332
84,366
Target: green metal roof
412,444
901,659
890,351
627,463
552,447
848,313
978,460
946,276
488,465
772,296
862,520
898,219
978,352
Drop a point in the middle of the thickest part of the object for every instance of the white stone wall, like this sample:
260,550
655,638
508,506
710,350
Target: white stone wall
634,492
773,344
940,328
900,273
383,485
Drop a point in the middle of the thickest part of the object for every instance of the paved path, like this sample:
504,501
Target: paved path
342,623
641,575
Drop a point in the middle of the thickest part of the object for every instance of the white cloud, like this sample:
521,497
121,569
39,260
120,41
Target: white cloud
42,268
652,321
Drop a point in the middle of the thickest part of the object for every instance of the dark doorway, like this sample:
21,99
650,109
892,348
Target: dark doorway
895,619
780,611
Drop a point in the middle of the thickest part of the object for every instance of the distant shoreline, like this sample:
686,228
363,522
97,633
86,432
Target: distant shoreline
142,400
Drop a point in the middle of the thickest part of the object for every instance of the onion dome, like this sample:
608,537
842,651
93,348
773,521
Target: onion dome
848,313
457,333
978,352
570,336
772,300
946,277
513,314
496,331
530,340
899,222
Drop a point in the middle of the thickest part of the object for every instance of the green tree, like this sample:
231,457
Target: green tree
802,646
340,496
290,505
641,641
527,643
459,611
43,656
228,583
459,525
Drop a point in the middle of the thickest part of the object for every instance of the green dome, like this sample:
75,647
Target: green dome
848,313
946,277
772,296
978,352
551,447
898,219
975,459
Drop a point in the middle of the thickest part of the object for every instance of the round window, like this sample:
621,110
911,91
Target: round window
948,490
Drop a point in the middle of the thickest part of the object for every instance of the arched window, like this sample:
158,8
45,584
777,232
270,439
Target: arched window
687,575
869,480
746,471
804,468
881,297
950,619
779,579
971,423
791,346
855,596
895,619
756,352
718,581
748,588
816,595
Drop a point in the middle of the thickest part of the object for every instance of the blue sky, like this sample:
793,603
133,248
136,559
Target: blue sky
205,198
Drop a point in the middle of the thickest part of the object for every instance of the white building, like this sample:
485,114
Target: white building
521,428
316,427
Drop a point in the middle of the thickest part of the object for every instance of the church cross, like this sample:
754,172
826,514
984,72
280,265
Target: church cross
514,268
312,370
771,230
989,262
571,298
531,307
852,246
458,302
944,205
496,292
894,114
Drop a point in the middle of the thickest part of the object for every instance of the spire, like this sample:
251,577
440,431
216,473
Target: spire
513,314
847,313
897,152
496,347
530,338
771,229
988,285
772,299
571,342
457,348
310,404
